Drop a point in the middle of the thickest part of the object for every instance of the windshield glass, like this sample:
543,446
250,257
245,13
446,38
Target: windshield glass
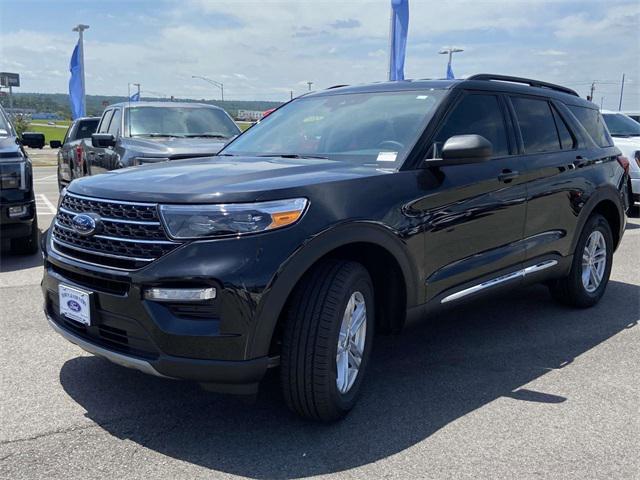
179,122
621,126
4,125
376,129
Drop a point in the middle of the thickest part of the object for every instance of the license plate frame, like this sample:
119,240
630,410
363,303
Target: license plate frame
75,304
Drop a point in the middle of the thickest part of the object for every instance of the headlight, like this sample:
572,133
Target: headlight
201,221
13,175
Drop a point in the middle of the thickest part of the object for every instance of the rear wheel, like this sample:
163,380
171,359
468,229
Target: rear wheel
327,340
591,267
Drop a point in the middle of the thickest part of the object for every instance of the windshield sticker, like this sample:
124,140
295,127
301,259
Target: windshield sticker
387,156
422,97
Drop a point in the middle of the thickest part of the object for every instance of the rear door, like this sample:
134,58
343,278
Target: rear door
476,214
554,155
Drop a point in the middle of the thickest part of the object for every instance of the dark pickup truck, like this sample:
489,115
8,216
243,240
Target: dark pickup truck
70,156
138,133
18,220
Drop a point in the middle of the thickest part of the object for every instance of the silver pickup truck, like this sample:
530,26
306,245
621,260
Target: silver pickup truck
71,154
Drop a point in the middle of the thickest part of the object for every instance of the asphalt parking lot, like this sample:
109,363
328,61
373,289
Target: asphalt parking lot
509,387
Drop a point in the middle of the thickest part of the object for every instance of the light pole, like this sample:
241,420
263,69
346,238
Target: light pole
212,82
81,28
450,51
309,83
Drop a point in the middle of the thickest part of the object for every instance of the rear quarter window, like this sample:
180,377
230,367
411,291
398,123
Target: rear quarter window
593,123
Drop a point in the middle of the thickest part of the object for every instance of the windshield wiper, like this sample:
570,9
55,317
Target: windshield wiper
205,135
292,155
169,135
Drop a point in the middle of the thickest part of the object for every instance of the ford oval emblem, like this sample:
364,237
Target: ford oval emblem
85,224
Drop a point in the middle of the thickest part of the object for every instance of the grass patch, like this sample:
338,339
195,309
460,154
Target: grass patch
244,125
50,132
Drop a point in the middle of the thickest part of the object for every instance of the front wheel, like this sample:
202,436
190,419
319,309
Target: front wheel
591,267
327,340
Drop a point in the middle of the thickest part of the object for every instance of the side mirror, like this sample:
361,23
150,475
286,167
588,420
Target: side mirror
103,140
463,149
55,144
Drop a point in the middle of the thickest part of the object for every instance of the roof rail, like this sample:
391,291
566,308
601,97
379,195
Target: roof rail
336,86
527,81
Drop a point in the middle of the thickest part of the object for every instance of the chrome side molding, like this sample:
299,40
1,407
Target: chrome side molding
499,280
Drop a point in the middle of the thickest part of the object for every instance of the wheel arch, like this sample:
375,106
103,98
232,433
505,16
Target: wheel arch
365,242
607,203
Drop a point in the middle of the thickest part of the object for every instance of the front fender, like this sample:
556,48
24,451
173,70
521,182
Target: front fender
292,270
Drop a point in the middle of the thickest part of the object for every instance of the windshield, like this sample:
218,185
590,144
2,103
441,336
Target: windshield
179,122
621,126
376,129
5,129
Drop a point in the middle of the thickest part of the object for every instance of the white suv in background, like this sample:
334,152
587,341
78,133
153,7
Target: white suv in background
626,136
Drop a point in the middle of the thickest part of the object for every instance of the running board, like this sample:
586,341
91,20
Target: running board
500,280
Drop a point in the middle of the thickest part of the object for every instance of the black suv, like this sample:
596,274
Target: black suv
18,220
341,214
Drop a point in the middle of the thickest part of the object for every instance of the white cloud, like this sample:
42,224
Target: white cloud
276,46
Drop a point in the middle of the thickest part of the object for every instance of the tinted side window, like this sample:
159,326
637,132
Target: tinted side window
86,128
114,126
104,124
537,125
567,139
480,115
593,123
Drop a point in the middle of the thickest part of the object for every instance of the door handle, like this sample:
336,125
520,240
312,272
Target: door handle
580,161
508,175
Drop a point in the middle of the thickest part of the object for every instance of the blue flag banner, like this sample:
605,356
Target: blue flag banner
450,75
76,89
399,30
135,97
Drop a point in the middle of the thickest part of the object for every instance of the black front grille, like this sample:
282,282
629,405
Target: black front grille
111,208
129,237
96,284
195,311
112,332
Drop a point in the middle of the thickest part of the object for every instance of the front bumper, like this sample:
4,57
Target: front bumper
16,227
152,337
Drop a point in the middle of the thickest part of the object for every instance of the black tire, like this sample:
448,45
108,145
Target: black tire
27,245
570,290
310,339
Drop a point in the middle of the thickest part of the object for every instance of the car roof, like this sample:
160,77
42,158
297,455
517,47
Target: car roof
480,83
165,104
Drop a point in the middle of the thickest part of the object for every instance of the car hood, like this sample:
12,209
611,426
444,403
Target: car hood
8,146
173,147
218,179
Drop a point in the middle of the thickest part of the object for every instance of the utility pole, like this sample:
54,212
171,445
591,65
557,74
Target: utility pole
290,94
220,85
80,28
601,102
309,83
621,92
593,87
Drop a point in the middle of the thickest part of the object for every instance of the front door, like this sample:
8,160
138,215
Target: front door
475,213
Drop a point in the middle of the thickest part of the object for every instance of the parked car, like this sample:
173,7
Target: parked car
18,220
339,215
33,140
70,156
140,133
626,136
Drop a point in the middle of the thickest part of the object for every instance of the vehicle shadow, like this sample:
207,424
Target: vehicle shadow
432,374
12,262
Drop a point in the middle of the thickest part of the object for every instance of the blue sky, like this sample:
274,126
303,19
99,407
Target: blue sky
263,50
